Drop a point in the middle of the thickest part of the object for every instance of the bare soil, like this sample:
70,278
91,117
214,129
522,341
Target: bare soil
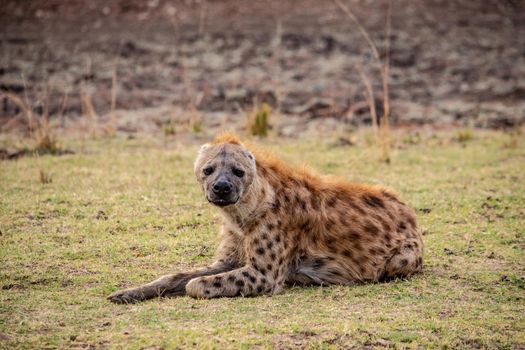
452,62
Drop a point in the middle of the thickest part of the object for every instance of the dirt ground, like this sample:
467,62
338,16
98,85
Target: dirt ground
452,62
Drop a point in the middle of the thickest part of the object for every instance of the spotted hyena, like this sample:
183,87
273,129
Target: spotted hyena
284,225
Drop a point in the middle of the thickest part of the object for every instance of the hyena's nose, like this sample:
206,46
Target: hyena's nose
222,188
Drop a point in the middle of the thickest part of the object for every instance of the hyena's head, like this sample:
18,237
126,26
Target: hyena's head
226,171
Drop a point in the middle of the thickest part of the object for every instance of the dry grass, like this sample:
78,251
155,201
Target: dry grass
45,178
195,116
383,131
90,115
370,100
111,128
193,99
42,136
514,137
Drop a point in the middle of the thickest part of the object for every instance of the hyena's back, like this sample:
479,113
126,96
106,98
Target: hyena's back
356,233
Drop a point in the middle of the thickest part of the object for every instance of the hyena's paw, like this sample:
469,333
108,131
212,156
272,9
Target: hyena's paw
126,296
198,288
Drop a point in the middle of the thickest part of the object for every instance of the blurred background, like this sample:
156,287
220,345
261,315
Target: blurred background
292,68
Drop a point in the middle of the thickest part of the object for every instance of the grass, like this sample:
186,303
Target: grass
258,120
464,135
126,211
383,130
42,135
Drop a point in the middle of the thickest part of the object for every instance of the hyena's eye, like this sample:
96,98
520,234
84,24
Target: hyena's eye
207,171
238,172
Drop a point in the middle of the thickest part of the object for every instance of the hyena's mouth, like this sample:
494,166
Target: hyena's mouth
220,202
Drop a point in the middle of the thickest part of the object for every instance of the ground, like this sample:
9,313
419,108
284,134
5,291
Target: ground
126,210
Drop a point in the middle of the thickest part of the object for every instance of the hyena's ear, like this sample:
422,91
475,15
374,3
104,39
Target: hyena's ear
200,156
204,147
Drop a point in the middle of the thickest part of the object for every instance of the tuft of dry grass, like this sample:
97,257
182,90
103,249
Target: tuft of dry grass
193,100
195,117
383,130
90,114
45,177
111,128
514,138
42,135
370,100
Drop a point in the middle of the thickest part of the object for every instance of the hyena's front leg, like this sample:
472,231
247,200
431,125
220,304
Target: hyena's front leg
244,281
267,254
169,285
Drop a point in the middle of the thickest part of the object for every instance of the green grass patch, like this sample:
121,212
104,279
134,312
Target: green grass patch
127,211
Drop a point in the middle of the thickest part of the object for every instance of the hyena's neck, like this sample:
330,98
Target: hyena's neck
252,205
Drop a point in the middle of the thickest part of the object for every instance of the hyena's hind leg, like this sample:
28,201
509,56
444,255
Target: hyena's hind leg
406,261
316,271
